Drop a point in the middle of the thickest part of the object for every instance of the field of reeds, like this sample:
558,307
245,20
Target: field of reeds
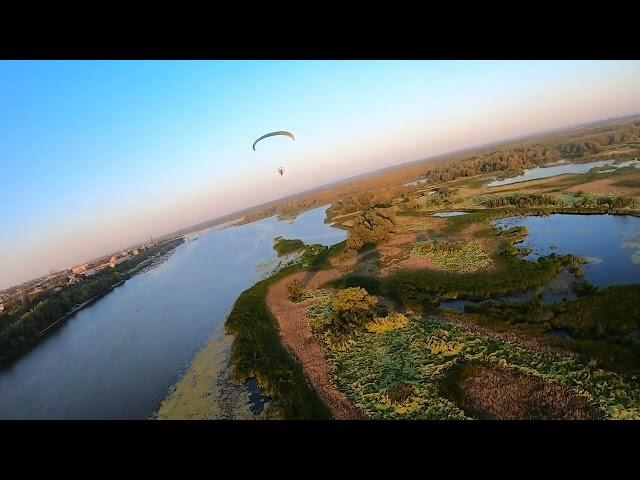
409,368
460,256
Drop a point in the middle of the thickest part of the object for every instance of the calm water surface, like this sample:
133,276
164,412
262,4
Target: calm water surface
546,172
611,244
448,214
117,358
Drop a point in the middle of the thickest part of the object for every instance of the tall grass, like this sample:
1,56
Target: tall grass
257,352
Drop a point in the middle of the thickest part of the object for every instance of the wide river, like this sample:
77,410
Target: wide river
118,358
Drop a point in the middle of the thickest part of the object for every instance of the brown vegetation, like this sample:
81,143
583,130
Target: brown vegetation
296,335
296,290
605,186
505,394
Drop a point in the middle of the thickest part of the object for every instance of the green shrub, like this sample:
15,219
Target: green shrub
352,307
370,228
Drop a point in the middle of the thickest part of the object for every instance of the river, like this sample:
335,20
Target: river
118,358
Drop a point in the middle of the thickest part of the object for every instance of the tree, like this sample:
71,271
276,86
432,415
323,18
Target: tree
372,227
352,307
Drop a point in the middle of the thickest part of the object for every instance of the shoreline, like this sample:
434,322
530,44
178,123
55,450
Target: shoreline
154,262
205,390
82,306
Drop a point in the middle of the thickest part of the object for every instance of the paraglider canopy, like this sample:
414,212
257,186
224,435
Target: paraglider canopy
273,134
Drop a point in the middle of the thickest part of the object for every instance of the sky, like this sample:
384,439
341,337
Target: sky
97,155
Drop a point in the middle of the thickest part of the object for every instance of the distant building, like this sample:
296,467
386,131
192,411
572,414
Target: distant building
113,261
80,268
91,271
1,307
32,294
135,252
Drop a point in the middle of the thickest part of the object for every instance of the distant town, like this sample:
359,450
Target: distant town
55,281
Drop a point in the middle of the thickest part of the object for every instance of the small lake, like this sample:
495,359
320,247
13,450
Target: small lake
118,358
414,183
609,242
448,214
546,172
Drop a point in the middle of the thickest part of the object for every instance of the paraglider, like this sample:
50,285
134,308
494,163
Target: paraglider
273,134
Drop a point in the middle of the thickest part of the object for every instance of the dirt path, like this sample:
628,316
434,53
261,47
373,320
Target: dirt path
296,335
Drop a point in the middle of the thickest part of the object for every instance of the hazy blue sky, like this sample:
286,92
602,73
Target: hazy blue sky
99,154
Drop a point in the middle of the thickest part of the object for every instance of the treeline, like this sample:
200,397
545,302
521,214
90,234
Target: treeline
582,200
443,197
384,197
517,158
20,330
525,200
587,200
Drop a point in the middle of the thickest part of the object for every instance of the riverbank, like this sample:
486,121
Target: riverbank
27,326
70,314
257,362
207,392
296,335
257,352
154,262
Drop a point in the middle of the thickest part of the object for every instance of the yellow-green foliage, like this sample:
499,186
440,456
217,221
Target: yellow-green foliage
460,256
397,374
390,323
352,307
446,349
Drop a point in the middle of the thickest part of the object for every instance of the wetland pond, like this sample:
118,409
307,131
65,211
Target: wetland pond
547,172
448,214
118,358
609,243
